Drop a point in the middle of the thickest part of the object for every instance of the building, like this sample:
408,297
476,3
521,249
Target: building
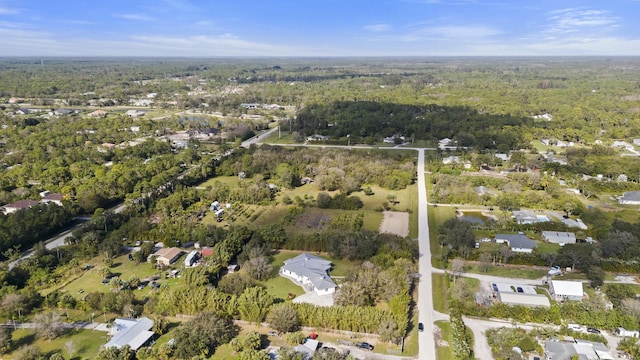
575,223
523,299
130,332
135,113
630,198
627,333
167,256
308,348
250,105
578,349
317,137
452,159
517,242
192,258
48,197
482,190
559,237
310,272
98,114
561,290
527,217
18,205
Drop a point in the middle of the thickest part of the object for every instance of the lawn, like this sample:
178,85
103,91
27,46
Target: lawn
437,216
411,341
439,294
280,287
444,352
504,271
85,342
91,280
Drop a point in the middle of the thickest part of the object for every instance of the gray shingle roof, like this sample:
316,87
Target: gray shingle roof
312,267
518,241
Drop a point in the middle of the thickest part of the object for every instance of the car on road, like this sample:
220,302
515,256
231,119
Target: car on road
420,327
364,345
593,330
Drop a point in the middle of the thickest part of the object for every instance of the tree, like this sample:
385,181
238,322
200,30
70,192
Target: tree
457,268
114,353
203,334
48,325
389,331
254,354
13,303
250,341
258,267
617,293
284,318
70,347
456,234
5,340
287,353
485,261
254,303
28,352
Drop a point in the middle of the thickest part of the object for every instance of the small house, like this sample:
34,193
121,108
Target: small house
559,237
18,205
133,333
627,333
630,198
517,242
561,290
167,256
310,272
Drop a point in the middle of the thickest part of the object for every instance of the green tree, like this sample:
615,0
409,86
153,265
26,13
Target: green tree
48,325
284,318
5,340
254,304
203,334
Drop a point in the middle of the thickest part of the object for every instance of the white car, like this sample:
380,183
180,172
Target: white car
555,270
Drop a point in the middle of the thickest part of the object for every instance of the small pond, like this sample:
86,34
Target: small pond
474,217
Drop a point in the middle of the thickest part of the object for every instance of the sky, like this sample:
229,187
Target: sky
325,28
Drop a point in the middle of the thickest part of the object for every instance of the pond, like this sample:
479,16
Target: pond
474,217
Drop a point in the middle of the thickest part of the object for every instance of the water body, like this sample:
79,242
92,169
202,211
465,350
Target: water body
474,217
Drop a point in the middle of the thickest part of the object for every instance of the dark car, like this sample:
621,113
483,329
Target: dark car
420,327
365,345
593,330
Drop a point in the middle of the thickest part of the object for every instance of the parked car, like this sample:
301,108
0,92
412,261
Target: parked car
593,330
364,345
420,327
313,336
555,270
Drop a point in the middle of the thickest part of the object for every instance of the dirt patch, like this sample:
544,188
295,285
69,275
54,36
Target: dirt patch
313,221
396,223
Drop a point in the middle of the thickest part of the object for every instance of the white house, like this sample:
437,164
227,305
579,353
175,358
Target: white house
517,242
451,160
131,332
630,198
310,272
559,237
561,290
135,113
627,333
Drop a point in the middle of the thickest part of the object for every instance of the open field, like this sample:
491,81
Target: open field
443,349
85,342
395,223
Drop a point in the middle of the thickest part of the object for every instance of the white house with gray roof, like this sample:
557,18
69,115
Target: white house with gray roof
311,272
517,242
630,198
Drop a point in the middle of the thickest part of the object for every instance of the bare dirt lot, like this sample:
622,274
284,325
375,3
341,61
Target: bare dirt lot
395,222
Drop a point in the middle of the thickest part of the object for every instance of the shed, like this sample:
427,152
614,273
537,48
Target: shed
131,332
561,290
531,300
559,237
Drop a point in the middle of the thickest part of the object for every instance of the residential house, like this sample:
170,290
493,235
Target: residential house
447,143
546,142
135,113
141,102
517,242
63,111
98,114
167,256
23,111
636,142
630,198
627,333
559,237
503,157
311,272
250,105
452,159
561,290
622,178
525,217
308,348
48,197
545,116
18,205
130,332
576,349
192,259
317,137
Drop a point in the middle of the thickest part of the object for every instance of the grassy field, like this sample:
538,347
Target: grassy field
85,342
91,280
440,289
437,215
444,352
504,271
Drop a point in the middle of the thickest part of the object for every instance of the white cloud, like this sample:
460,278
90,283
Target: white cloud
378,27
183,5
76,22
135,17
8,11
575,19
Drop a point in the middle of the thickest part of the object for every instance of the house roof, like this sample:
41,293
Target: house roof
519,241
22,204
53,197
559,237
169,253
631,196
312,267
568,288
512,298
309,347
131,332
558,350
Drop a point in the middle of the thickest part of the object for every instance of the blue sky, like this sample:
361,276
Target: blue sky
209,28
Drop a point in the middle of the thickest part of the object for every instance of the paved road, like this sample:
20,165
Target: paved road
258,138
427,346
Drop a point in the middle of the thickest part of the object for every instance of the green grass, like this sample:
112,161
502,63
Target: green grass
280,287
86,343
91,280
444,352
439,293
437,216
504,271
411,341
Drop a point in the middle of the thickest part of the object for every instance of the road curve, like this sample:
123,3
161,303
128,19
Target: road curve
427,345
